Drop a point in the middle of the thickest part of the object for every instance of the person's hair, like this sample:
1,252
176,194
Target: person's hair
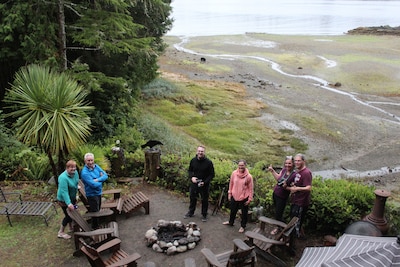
70,163
203,147
88,155
242,160
303,158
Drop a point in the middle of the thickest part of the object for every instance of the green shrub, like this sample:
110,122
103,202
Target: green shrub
98,152
392,213
338,203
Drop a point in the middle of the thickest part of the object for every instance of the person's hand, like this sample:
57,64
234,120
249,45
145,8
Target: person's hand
270,168
71,206
229,198
247,203
293,189
194,180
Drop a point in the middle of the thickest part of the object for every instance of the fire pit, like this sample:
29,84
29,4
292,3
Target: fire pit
172,237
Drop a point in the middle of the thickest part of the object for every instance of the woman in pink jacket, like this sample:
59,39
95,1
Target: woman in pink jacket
240,194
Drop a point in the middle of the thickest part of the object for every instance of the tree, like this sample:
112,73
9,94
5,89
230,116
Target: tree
120,39
51,111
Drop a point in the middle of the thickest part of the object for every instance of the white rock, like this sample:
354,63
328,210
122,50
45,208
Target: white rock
157,248
171,250
189,232
191,245
181,248
196,233
150,233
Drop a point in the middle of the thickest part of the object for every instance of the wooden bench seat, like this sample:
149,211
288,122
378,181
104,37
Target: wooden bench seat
134,202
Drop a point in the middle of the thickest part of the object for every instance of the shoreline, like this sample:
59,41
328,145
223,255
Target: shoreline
340,132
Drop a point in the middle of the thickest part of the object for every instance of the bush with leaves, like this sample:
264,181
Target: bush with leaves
99,156
336,203
392,213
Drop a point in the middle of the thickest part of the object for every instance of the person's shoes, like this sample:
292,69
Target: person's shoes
63,235
204,219
241,230
227,223
188,215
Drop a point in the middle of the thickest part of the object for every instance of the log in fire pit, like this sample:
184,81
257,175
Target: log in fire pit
172,237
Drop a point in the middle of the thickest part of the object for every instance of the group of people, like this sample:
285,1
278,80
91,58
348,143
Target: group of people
294,181
93,178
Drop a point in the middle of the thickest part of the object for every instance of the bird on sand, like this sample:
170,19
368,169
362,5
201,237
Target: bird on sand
151,143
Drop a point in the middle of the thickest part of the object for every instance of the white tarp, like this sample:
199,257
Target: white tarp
354,250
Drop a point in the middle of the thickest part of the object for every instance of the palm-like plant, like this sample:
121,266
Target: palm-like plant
50,108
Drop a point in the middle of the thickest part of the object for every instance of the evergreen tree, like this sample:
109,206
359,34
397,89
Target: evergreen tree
119,39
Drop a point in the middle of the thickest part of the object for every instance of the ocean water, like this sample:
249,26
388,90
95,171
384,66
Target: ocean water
288,17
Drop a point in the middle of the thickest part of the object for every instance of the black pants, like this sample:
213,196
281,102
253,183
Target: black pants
94,205
280,204
66,219
235,206
299,212
204,194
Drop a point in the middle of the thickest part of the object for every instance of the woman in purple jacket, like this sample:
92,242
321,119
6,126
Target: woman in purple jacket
280,194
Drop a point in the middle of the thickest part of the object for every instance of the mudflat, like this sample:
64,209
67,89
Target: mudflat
339,94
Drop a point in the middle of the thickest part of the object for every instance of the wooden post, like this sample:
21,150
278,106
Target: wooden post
152,164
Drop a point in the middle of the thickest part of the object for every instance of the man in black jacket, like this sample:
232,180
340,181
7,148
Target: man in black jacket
201,172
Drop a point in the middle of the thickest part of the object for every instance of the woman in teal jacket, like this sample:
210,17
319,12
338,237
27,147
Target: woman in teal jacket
66,194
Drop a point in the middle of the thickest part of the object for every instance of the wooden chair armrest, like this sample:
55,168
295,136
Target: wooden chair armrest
271,221
103,231
253,235
109,244
115,192
240,244
125,261
210,257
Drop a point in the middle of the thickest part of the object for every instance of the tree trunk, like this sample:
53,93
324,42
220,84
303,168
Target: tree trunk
53,167
61,35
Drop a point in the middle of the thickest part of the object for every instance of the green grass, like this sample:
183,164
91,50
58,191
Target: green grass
29,242
219,115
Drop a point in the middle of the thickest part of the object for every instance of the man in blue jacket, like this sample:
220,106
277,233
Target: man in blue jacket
93,177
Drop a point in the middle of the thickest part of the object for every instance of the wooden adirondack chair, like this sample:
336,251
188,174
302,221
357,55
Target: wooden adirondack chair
125,204
241,255
118,257
83,230
114,203
264,242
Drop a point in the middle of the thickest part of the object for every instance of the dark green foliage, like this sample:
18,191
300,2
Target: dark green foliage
113,100
392,213
119,39
174,173
337,203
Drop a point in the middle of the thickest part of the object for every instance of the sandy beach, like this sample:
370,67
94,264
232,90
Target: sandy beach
339,94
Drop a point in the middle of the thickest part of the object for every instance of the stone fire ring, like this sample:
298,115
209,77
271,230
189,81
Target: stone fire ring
173,237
